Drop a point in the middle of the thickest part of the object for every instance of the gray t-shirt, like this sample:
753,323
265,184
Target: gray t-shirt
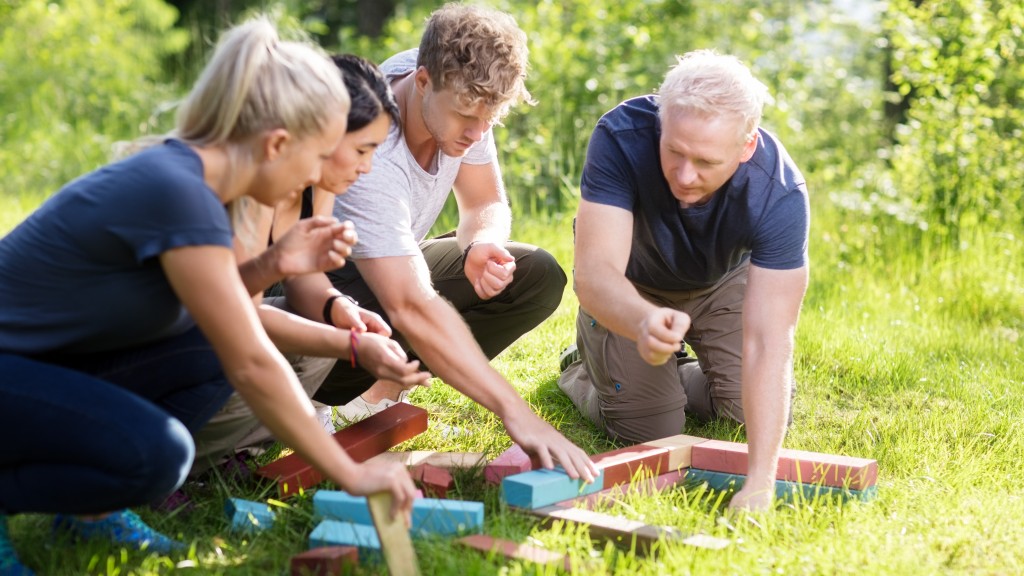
394,206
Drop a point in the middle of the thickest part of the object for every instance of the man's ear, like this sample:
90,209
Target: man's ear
422,80
275,143
750,147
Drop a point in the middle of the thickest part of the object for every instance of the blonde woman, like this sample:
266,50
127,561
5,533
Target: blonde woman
125,312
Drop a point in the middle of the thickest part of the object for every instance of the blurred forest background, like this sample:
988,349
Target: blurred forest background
908,112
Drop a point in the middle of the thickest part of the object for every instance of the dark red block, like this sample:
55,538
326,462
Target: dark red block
325,561
621,465
435,481
794,465
362,441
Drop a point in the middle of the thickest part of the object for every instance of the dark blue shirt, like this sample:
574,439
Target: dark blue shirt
81,273
761,213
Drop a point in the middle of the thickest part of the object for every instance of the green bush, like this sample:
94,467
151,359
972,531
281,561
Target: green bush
75,77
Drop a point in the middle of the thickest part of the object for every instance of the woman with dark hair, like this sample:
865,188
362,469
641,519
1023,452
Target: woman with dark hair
124,313
330,326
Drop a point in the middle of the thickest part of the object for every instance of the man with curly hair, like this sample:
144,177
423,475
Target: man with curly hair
460,299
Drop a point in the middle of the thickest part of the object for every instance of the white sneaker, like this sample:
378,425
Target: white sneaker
359,409
324,417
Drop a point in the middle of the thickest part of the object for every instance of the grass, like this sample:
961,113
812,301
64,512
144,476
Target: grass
906,355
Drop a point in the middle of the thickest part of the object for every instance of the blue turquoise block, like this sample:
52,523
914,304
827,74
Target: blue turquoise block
538,488
429,515
338,533
247,516
784,489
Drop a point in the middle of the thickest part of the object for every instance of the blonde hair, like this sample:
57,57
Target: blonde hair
478,53
711,85
253,83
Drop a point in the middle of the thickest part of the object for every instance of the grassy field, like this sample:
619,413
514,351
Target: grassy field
905,355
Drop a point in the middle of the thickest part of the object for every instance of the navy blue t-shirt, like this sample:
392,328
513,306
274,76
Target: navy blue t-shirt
761,213
81,273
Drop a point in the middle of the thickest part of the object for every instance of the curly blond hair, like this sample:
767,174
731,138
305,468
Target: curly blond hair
478,53
711,84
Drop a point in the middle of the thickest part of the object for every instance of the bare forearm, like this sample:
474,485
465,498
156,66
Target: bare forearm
767,380
492,223
260,273
445,344
307,294
292,334
595,288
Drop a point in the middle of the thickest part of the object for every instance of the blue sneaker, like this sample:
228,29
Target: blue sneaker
9,563
124,527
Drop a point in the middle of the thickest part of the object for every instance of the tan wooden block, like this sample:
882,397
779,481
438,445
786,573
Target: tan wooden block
679,447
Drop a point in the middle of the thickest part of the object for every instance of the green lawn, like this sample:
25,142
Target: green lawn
908,356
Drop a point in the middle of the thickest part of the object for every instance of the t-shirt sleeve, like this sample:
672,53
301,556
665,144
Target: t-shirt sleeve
170,212
607,176
378,204
781,240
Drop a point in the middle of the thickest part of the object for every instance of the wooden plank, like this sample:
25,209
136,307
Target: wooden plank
394,537
679,447
446,460
515,551
794,465
362,441
623,532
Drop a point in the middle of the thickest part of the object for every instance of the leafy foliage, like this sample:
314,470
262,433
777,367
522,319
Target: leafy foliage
75,77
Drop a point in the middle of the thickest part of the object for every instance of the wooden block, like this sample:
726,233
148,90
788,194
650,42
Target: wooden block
446,460
337,533
512,461
620,466
394,537
784,490
434,481
362,441
325,561
679,447
515,551
647,486
794,465
430,516
538,488
248,516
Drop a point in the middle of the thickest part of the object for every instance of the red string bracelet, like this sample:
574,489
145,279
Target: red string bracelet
353,342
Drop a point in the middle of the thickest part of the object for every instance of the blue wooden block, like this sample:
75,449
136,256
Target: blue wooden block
429,515
338,533
784,490
247,515
538,488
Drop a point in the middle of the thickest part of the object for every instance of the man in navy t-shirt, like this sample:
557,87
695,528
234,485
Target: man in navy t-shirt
692,227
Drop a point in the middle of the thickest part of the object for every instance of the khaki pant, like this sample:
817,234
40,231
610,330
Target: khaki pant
636,402
235,428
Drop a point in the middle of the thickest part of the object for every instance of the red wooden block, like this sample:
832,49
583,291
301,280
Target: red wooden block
621,465
515,551
794,465
434,480
361,441
511,461
325,561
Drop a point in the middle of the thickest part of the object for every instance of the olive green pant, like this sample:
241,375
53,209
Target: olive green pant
635,402
534,293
